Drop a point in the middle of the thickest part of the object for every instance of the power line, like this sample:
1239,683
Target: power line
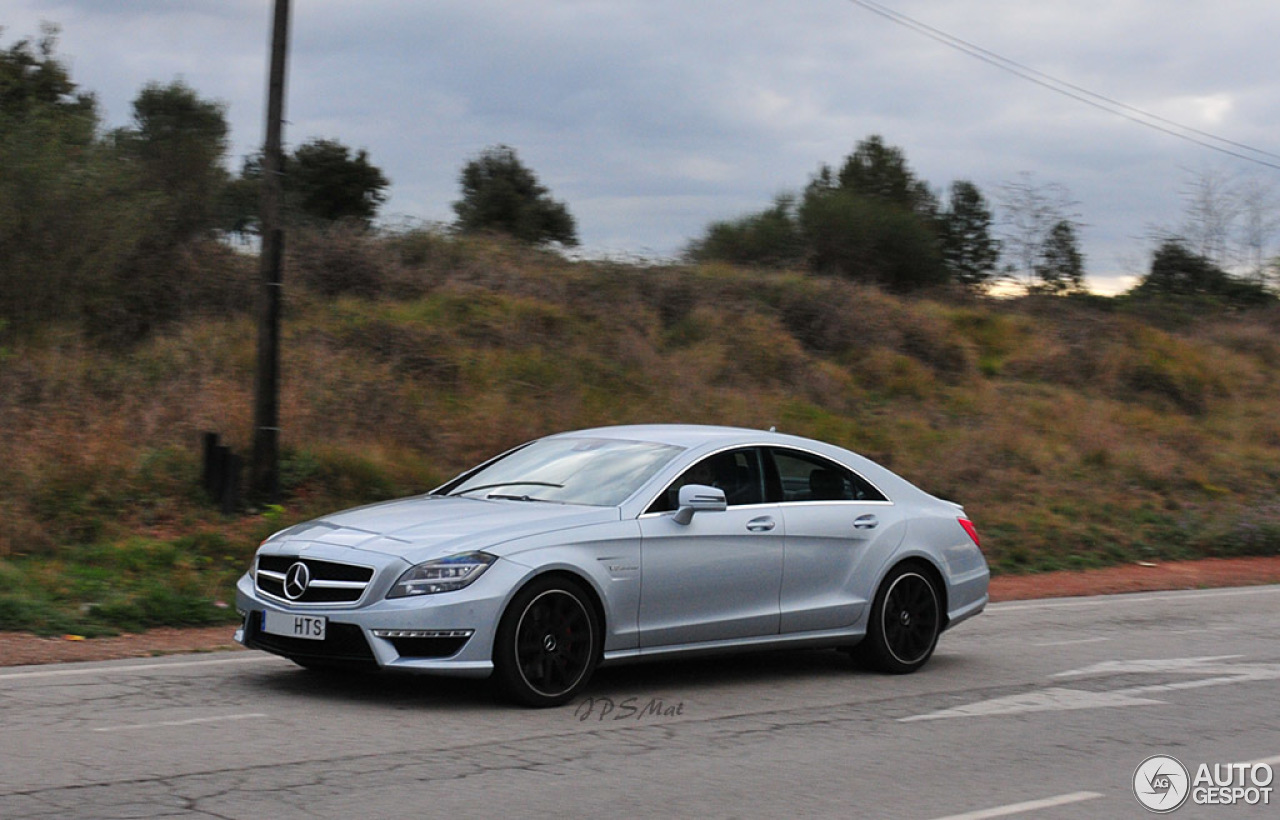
1145,118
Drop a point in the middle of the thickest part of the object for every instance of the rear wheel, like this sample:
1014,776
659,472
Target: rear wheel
906,619
547,643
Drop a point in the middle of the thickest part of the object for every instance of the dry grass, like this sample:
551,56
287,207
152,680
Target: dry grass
1076,434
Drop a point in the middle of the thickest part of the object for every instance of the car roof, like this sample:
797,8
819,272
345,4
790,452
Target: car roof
686,435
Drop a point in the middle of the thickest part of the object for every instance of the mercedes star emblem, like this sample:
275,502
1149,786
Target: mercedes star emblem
296,581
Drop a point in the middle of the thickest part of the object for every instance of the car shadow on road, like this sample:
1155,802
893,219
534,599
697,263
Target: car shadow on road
683,676
689,675
765,671
378,688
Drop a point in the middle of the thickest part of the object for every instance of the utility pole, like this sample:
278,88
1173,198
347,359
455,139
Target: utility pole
264,480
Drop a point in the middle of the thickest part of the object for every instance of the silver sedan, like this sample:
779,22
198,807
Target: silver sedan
619,544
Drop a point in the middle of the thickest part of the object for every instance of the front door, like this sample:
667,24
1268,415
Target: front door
719,576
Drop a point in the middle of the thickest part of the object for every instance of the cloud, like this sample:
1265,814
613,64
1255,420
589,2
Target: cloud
652,118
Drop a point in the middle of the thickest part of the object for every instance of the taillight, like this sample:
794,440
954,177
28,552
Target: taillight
972,530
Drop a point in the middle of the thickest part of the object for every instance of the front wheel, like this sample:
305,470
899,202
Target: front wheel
906,619
547,643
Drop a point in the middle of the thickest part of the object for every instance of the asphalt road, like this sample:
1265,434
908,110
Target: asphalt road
1040,710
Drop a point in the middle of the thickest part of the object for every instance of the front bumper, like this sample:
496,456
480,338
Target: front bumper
448,633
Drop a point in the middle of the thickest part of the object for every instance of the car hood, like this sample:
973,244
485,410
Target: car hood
425,527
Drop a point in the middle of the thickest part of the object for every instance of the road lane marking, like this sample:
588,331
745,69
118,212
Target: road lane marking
1062,699
1072,642
188,722
1030,805
1053,699
114,670
1139,666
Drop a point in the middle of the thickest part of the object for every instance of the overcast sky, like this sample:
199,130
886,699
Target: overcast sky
653,118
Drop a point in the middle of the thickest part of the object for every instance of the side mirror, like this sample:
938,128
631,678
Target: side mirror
699,498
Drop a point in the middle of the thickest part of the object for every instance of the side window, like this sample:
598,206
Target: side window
737,472
808,477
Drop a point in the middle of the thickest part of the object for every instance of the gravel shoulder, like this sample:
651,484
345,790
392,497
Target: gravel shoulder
22,649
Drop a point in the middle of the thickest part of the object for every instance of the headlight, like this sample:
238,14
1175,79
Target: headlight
442,575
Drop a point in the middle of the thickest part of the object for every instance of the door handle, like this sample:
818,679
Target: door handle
866,522
761,524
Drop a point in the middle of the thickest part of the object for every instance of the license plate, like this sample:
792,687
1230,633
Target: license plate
307,627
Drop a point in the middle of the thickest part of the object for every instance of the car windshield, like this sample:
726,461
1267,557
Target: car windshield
596,472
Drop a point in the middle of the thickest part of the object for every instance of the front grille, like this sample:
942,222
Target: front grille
344,644
327,582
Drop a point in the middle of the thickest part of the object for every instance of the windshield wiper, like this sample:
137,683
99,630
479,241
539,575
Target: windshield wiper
501,497
508,484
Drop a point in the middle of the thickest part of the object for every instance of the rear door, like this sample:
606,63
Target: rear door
834,519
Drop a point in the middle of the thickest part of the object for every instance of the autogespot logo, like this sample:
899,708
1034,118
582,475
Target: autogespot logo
1161,783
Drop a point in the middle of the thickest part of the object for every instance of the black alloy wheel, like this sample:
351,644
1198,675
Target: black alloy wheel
547,644
906,619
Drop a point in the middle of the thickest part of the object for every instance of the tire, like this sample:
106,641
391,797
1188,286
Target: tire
548,643
906,619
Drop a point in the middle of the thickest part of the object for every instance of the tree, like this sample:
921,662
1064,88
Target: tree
98,228
1061,265
501,194
179,141
324,181
881,172
167,181
1176,271
31,78
873,220
1259,224
1211,207
969,252
54,187
860,237
771,238
1232,221
1033,216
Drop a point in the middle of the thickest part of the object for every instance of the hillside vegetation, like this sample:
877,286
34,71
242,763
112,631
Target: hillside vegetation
1077,432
